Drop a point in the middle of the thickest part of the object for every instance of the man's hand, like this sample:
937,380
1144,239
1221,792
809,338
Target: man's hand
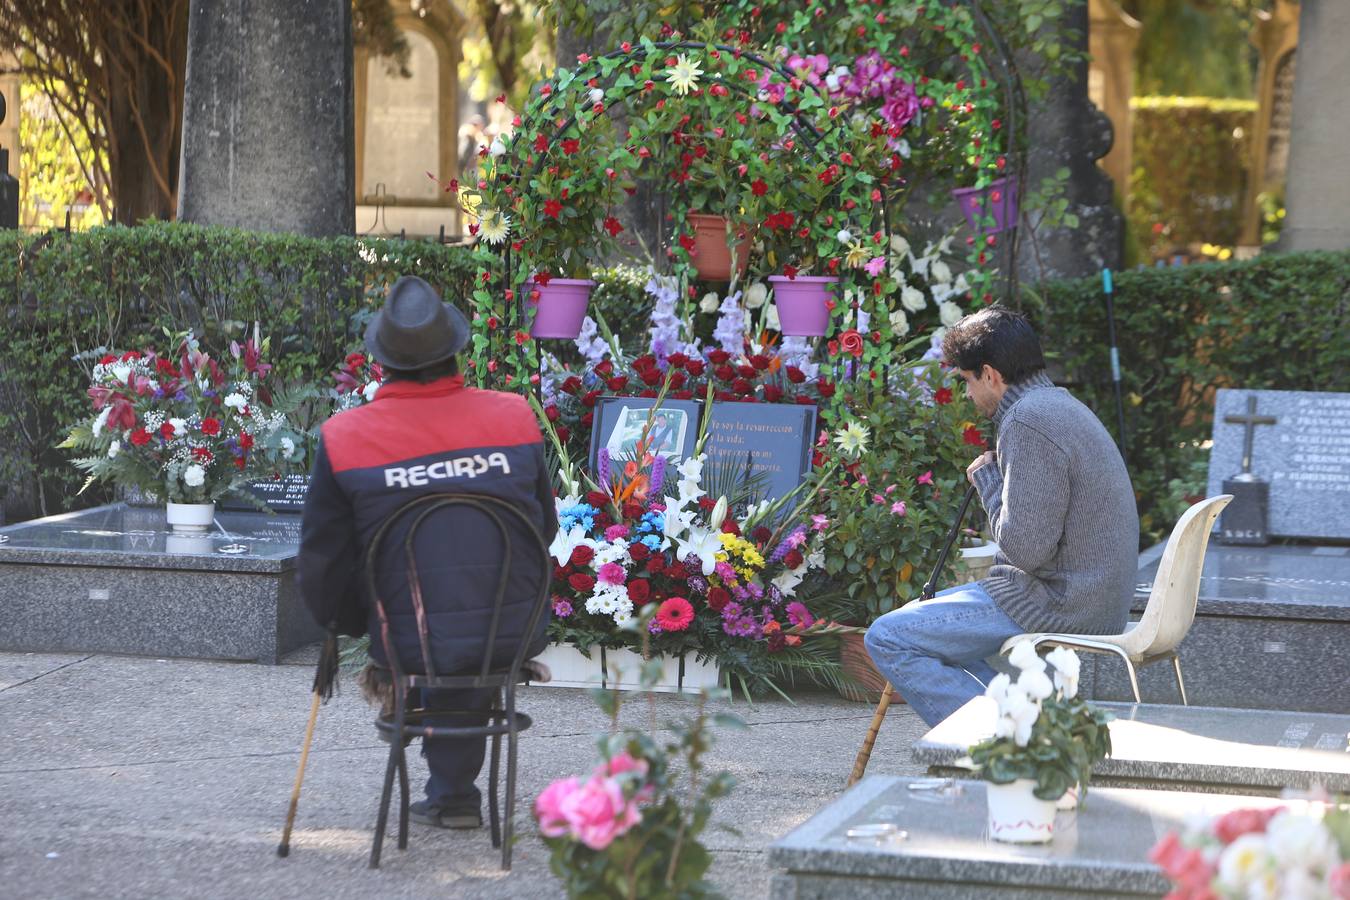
984,459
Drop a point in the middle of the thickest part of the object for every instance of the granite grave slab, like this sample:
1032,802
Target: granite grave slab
1099,850
1271,631
1304,455
1182,748
114,580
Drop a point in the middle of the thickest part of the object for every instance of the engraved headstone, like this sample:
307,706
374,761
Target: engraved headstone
1304,456
1244,521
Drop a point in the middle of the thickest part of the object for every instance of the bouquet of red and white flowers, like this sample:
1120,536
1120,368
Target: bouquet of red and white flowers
180,426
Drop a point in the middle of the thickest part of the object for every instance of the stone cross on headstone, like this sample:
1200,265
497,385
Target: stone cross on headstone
1251,420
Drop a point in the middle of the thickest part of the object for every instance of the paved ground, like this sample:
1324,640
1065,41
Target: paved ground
127,777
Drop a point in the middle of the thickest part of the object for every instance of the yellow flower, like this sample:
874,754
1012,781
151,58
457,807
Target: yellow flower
494,226
857,255
683,76
852,439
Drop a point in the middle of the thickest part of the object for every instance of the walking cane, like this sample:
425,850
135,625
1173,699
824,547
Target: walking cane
324,676
929,589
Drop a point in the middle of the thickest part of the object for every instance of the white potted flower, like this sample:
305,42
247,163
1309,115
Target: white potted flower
1045,742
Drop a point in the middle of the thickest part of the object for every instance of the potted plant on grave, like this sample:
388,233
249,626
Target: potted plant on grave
183,428
1045,742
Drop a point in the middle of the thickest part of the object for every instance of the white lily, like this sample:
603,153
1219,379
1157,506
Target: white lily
719,514
702,543
788,579
677,521
564,542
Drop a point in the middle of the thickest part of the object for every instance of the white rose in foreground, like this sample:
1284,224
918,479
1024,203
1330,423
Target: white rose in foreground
755,295
899,323
1300,841
709,303
194,476
912,299
1024,657
1243,861
949,313
941,272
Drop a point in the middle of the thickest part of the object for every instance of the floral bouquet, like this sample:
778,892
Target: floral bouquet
1277,852
356,382
631,829
183,427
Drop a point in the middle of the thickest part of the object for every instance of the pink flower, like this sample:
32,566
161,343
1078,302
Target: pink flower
862,479
877,498
622,763
820,523
1339,882
875,265
598,813
612,573
1185,866
1231,826
725,572
898,508
548,806
798,614
675,614
890,489
616,532
925,478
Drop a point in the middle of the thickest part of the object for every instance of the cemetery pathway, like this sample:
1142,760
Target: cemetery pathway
126,777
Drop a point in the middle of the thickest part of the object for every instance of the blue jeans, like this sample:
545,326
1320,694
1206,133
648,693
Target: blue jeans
933,652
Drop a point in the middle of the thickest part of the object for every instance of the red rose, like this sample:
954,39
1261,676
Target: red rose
605,369
793,558
590,397
597,499
639,551
718,598
651,376
656,565
644,362
943,396
826,389
718,357
729,526
833,346
973,437
689,395
587,420
563,433
582,584
210,426
639,590
649,392
803,400
725,372
551,413
140,437
761,534
571,384
772,393
677,380
694,367
582,555
165,367
677,360
741,386
745,370
795,375
245,441
166,431
851,342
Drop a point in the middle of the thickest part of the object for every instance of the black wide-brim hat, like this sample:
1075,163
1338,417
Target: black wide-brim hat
415,329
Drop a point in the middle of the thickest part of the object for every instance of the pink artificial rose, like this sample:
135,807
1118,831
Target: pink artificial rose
598,813
548,807
925,478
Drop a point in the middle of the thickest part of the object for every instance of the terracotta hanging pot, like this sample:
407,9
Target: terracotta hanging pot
561,307
712,251
802,307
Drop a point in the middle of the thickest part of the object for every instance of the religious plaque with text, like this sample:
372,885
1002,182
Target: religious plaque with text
773,439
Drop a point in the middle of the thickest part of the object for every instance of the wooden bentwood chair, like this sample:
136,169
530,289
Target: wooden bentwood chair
402,724
1171,603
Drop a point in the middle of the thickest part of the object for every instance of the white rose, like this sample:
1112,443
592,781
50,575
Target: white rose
287,448
1243,861
369,390
709,303
1300,841
949,313
843,236
899,323
237,401
755,295
1024,657
114,448
497,148
194,476
121,371
899,246
941,272
912,299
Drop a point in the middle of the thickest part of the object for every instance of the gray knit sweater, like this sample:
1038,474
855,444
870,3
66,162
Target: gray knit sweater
1062,510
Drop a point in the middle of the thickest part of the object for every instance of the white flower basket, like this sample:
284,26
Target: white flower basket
1017,816
571,669
192,517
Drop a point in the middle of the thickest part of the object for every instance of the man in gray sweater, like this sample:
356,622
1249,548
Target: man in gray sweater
1061,509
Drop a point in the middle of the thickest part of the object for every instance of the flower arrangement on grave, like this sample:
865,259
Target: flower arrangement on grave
632,828
182,426
1301,852
355,382
1046,740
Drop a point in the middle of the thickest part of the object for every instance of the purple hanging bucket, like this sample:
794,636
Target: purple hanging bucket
561,306
801,301
998,199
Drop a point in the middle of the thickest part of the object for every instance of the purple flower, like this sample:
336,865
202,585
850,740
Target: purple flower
693,565
798,614
602,468
795,538
654,627
561,608
698,584
658,477
732,610
775,596
743,626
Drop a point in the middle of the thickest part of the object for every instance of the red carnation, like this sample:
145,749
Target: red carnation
675,614
108,358
245,441
729,526
639,589
943,396
165,367
210,426
761,534
795,375
694,367
706,504
166,431
639,551
632,510
580,583
582,555
718,598
793,558
140,437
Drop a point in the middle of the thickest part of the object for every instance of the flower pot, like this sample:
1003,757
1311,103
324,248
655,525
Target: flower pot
998,199
1017,816
1069,801
976,561
561,306
190,517
801,301
866,682
190,543
712,252
570,668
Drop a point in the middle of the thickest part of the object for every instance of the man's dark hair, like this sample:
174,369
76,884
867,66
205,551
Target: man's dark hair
999,337
443,369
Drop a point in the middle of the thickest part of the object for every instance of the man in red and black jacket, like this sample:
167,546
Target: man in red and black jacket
425,432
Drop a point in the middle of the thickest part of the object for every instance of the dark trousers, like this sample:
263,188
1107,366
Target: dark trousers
455,762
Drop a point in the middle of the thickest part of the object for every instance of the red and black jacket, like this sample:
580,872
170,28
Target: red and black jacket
416,439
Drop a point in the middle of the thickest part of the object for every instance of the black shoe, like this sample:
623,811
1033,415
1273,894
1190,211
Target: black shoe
424,812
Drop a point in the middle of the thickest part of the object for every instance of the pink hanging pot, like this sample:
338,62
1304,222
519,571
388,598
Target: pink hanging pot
803,309
561,307
998,199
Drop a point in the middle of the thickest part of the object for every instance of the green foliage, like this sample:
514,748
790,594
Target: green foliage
54,166
115,286
1195,46
1190,160
1274,322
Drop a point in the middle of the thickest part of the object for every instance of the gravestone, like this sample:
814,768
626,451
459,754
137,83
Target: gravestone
1099,851
1304,456
1181,748
1271,629
770,438
280,495
113,580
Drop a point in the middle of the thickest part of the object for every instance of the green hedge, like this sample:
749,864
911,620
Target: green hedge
1275,322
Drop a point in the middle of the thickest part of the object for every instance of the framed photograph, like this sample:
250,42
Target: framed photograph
620,422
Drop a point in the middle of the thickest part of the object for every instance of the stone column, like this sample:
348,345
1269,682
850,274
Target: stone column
1067,131
268,141
9,140
1275,37
1112,39
1318,193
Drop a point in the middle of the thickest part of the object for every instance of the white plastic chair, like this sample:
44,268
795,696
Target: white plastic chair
1171,604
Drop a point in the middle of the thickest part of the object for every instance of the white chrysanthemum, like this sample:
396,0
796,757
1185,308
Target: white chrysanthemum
709,303
194,476
494,226
949,313
114,448
683,76
912,299
852,439
899,323
235,401
755,295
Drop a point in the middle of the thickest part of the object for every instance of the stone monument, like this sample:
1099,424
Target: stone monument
268,139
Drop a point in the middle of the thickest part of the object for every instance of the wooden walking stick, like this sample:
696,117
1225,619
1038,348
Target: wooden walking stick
324,678
929,589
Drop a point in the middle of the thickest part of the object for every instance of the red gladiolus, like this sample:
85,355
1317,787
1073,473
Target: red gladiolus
674,614
211,426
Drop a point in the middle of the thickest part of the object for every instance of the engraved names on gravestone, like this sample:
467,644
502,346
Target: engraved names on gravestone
1304,456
